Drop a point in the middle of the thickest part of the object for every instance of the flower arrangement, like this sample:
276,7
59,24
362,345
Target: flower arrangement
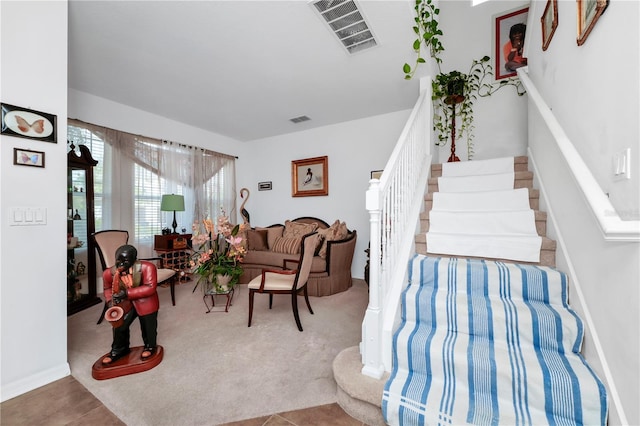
219,253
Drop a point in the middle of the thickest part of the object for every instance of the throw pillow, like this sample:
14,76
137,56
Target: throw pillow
287,245
272,233
257,239
298,229
337,231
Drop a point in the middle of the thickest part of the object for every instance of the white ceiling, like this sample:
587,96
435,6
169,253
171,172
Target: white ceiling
240,68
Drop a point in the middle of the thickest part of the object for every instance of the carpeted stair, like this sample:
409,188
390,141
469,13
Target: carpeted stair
361,396
523,179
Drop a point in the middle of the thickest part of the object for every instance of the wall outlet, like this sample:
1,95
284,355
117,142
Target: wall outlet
622,165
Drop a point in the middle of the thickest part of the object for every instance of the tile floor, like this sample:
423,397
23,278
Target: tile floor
67,402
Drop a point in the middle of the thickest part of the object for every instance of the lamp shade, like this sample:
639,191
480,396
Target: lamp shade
172,203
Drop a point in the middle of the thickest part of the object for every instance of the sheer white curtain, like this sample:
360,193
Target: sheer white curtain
215,189
139,170
205,179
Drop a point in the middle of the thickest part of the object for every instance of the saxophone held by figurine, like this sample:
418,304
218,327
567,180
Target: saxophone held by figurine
115,314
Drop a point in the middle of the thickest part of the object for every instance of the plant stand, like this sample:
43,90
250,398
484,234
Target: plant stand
453,100
223,286
212,294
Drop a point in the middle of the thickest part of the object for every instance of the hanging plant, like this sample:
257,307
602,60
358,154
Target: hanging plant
428,32
452,91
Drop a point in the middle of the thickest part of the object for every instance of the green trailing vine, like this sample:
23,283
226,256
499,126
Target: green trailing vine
428,32
469,86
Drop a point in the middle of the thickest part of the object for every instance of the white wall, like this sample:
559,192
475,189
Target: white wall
597,105
103,112
33,306
354,148
596,97
500,120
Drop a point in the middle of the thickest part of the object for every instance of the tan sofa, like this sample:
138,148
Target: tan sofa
331,268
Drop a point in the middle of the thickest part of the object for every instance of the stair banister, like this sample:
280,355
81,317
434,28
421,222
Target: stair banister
394,202
611,224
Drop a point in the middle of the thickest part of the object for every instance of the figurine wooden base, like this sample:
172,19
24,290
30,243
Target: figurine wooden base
129,364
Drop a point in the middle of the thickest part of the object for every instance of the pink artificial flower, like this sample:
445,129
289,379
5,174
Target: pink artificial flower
208,225
234,241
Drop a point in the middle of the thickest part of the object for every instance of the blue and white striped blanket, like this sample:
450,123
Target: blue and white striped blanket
489,343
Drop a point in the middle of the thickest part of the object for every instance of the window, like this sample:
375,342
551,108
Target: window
133,172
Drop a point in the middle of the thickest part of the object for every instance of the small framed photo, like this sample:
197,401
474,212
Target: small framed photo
588,13
28,123
509,29
309,177
27,157
264,186
549,22
375,174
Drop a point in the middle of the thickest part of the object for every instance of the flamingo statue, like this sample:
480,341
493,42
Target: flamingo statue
243,211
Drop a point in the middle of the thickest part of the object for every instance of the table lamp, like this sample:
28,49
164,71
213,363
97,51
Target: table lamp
175,203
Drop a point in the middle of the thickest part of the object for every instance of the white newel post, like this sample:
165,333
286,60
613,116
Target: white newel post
371,345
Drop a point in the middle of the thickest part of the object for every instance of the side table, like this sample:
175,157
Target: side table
175,251
213,293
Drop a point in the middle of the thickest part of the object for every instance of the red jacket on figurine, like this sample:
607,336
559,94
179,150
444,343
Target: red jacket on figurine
143,295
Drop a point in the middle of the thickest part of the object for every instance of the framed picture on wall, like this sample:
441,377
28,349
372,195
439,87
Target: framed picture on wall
28,123
264,186
310,177
549,22
588,13
27,157
509,30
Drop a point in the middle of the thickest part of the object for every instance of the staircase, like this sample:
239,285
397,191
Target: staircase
361,396
523,179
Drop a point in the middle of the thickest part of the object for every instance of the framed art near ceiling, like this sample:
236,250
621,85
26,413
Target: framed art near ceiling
27,157
264,186
27,123
309,177
588,13
509,29
549,22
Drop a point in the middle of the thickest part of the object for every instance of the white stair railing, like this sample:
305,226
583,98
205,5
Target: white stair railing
394,203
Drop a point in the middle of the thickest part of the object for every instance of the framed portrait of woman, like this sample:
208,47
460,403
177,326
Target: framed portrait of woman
509,30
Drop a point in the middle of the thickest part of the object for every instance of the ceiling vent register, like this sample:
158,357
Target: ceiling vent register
347,22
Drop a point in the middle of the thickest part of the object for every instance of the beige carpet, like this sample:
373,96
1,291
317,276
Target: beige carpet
215,368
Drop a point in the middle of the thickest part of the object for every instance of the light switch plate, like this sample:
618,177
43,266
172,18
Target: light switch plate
28,216
622,165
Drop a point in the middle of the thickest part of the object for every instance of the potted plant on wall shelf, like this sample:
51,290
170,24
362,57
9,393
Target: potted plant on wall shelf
453,93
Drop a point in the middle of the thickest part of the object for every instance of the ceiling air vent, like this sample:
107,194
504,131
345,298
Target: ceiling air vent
347,23
299,119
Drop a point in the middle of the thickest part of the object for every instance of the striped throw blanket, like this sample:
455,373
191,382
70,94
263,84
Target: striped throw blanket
489,343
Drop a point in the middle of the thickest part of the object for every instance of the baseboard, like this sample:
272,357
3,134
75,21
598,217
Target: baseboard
34,381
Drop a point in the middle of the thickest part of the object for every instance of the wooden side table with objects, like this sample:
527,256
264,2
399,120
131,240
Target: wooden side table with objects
175,251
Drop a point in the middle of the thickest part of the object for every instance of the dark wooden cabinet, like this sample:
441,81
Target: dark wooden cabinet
172,242
175,251
81,255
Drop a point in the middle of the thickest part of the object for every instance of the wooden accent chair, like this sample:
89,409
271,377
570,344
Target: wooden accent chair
108,241
286,281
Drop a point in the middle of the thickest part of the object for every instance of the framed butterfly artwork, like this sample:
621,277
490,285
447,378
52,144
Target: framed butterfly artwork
27,123
27,157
